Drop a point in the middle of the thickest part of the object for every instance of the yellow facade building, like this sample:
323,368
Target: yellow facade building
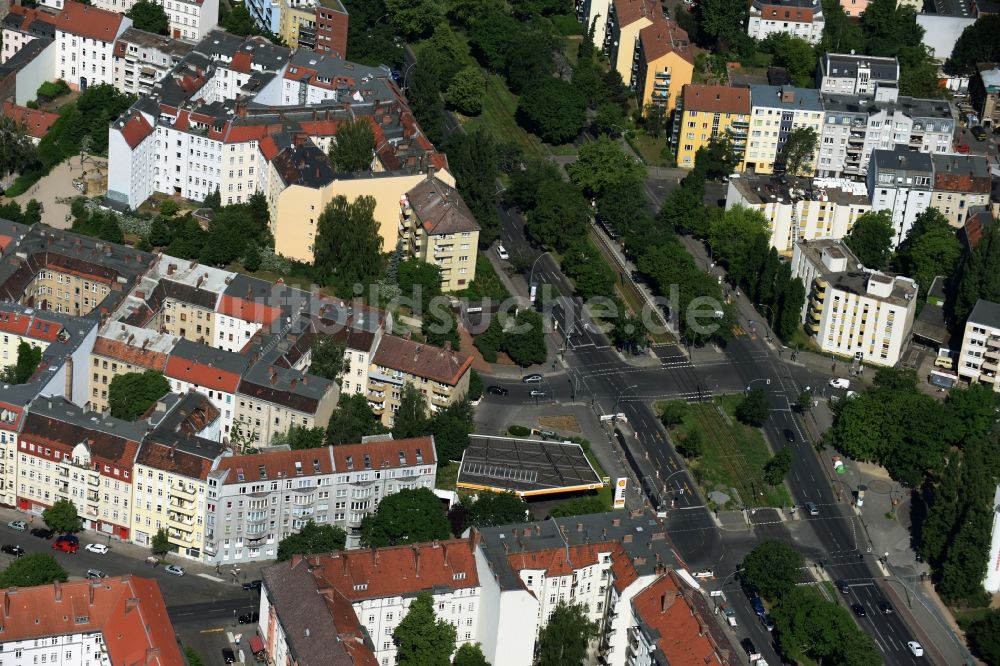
707,112
663,65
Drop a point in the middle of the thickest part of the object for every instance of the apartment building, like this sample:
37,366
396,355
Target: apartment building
853,311
437,227
11,420
984,88
798,18
855,126
68,455
255,501
188,20
29,64
710,112
122,349
856,8
171,472
198,367
623,22
441,375
962,185
776,112
901,181
317,25
663,63
22,25
861,75
140,59
114,620
247,306
979,357
810,210
85,37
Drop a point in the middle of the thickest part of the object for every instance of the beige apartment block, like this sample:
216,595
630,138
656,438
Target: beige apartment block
121,349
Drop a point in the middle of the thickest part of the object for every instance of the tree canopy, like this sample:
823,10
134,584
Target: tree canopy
149,16
796,155
931,248
601,166
312,539
980,42
348,247
559,215
17,150
31,570
809,626
131,394
466,91
565,637
552,109
470,654
527,345
352,420
327,359
423,639
160,543
62,517
492,509
353,147
772,568
977,276
754,408
408,516
870,239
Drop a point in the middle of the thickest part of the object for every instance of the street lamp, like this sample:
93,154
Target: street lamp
406,72
531,277
618,399
771,325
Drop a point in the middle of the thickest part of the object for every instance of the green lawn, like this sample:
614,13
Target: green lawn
733,456
497,119
486,284
649,148
447,475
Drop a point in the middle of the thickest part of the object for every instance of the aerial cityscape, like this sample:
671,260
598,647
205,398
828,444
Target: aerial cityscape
499,332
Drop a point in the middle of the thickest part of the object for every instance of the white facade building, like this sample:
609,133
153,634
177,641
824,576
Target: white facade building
979,358
901,181
775,113
853,311
992,581
798,18
861,75
142,58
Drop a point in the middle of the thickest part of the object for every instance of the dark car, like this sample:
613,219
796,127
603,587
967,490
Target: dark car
842,586
249,618
16,551
885,607
43,533
748,646
789,436
228,655
251,585
859,610
979,133
70,538
496,390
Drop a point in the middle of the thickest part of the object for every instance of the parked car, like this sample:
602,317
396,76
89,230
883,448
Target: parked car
252,585
502,252
859,610
532,379
916,648
758,606
66,546
228,655
70,538
18,525
42,533
767,621
174,570
496,390
885,607
96,573
789,436
249,618
9,549
842,586
979,133
538,394
840,383
98,548
961,149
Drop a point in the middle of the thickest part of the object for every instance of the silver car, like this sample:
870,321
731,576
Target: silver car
174,570
18,525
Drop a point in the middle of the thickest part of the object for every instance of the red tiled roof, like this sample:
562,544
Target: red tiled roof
10,416
276,464
37,123
234,306
131,354
268,148
87,21
29,325
136,129
562,561
398,570
716,99
385,454
199,374
662,37
129,611
622,569
421,360
785,13
683,639
630,11
241,62
5,241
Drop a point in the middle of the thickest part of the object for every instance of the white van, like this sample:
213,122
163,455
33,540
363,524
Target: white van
840,383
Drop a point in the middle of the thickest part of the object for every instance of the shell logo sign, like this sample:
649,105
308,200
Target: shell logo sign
620,485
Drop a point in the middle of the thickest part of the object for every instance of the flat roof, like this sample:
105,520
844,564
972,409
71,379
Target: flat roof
525,467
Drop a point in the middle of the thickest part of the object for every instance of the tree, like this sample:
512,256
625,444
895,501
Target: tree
439,326
353,147
526,346
691,443
601,166
312,539
578,506
327,359
352,420
492,509
673,413
553,110
796,155
470,654
822,631
408,516
31,570
17,151
716,160
979,42
419,280
28,358
777,467
414,18
754,408
628,332
303,437
474,159
160,543
805,401
840,33
411,417
976,277
62,517
131,394
421,639
772,568
193,658
565,637
591,275
870,239
983,635
931,248
149,16
560,215
451,428
723,22
348,247
794,54
490,341
466,91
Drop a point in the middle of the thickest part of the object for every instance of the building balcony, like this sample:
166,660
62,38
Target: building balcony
376,396
93,496
303,511
812,328
91,511
184,492
916,141
990,366
178,522
815,314
856,138
180,537
993,342
440,399
376,407
63,472
187,508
